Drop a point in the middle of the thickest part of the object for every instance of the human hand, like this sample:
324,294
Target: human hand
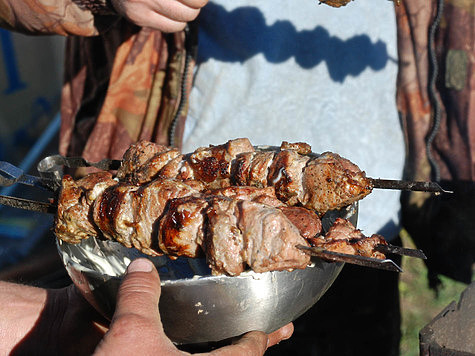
163,15
136,327
47,321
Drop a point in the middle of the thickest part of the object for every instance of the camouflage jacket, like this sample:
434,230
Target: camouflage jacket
124,83
436,102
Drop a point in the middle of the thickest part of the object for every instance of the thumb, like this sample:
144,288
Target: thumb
136,315
140,291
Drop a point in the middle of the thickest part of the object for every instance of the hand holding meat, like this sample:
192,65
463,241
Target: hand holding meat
163,15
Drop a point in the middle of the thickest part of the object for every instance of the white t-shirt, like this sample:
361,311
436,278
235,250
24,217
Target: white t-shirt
294,71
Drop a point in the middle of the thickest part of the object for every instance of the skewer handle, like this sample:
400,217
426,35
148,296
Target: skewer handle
26,204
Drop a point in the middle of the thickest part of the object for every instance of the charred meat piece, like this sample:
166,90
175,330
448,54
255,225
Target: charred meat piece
114,213
306,221
154,165
137,155
343,237
252,168
128,213
240,169
332,182
178,168
299,147
339,245
365,246
224,245
259,169
286,173
154,198
335,3
213,164
181,230
73,221
343,229
260,195
270,239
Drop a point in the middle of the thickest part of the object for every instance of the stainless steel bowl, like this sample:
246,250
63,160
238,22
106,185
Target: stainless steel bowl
196,307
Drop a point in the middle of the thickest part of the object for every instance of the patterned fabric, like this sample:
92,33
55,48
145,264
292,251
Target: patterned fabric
438,117
65,17
123,83
121,86
99,7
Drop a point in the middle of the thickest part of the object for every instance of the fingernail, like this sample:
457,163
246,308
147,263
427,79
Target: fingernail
140,265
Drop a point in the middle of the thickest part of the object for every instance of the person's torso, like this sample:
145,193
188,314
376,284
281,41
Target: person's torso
277,71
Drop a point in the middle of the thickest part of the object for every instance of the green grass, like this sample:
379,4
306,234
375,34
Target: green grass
420,304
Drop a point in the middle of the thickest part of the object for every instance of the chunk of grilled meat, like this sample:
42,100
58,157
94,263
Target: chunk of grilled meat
306,221
170,216
181,228
319,183
270,239
224,246
335,3
73,220
128,213
210,165
332,182
261,195
343,237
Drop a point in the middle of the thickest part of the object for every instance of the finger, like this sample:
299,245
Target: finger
143,14
157,21
253,343
195,4
137,316
283,333
175,10
140,290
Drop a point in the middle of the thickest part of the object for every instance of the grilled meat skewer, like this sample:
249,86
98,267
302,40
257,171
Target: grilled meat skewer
234,227
236,205
168,216
343,237
322,183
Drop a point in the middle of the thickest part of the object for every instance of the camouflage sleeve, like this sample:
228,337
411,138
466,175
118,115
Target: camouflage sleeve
62,17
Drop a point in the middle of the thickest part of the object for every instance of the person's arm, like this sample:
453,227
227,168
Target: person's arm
54,321
20,308
61,322
91,17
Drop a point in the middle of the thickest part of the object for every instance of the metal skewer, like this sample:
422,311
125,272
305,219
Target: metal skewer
408,185
10,174
26,204
386,264
400,251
